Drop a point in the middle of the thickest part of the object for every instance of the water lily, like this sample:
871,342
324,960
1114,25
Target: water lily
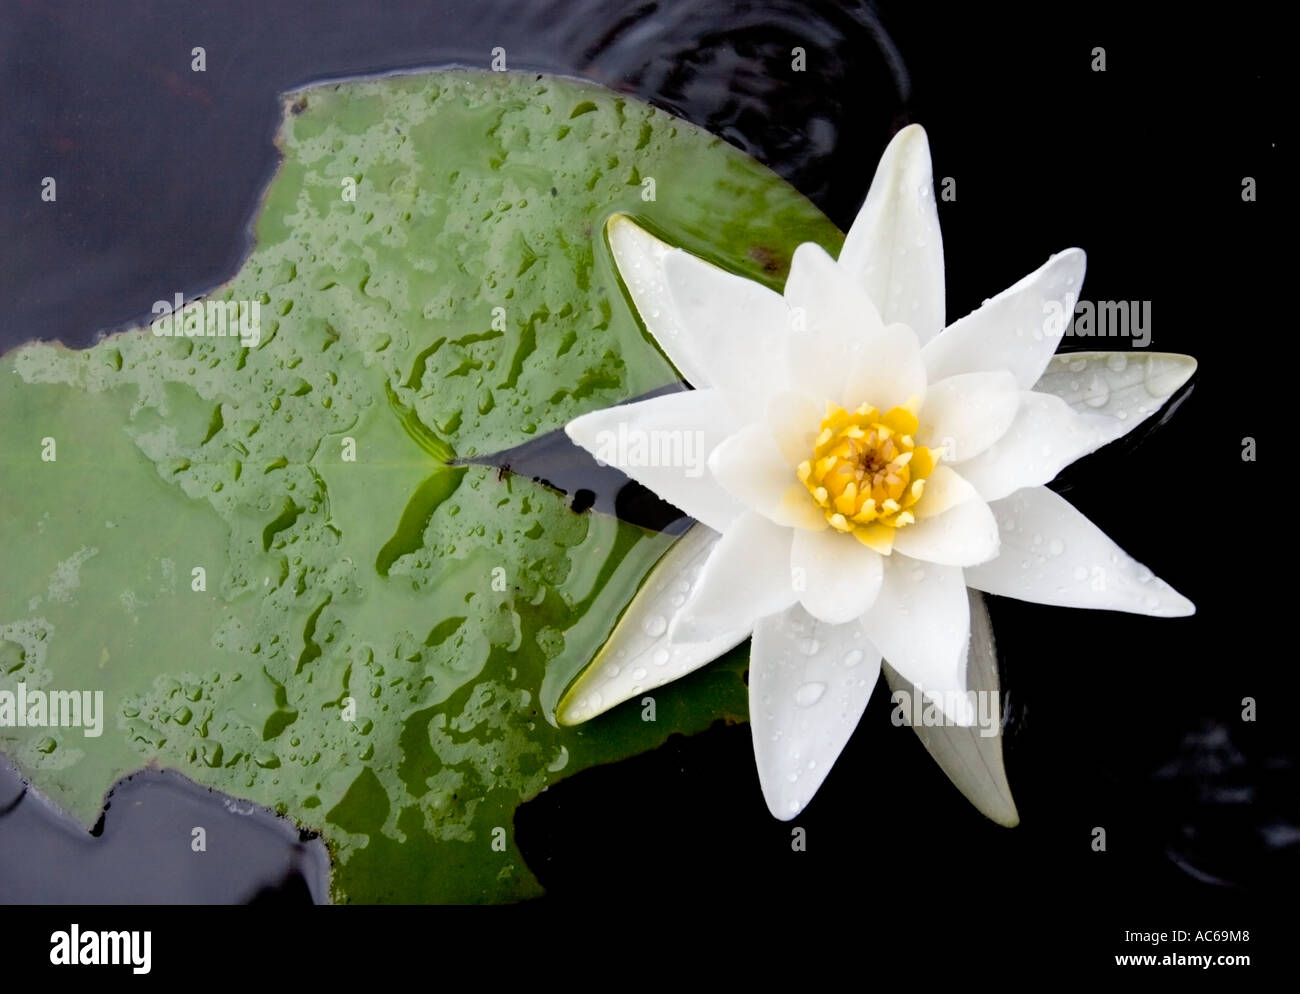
866,464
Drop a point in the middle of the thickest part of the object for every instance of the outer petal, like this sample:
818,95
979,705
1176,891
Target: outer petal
664,443
1052,554
1127,386
894,247
639,655
970,755
808,685
836,576
1045,437
966,414
746,577
640,257
954,526
1018,330
751,467
737,329
921,623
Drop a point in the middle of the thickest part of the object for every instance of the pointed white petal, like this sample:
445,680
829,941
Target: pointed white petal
1052,554
640,257
970,755
966,414
737,330
1045,437
746,577
809,683
836,576
921,623
894,248
954,526
664,443
1127,386
639,655
750,466
1018,330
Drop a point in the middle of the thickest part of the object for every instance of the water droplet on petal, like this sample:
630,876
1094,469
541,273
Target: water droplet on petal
655,625
809,694
1098,392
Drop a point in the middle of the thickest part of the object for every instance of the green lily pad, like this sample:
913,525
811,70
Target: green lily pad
265,556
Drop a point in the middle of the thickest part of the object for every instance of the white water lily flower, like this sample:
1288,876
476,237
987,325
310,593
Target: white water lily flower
865,466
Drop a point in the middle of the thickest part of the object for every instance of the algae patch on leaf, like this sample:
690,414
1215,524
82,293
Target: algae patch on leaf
264,557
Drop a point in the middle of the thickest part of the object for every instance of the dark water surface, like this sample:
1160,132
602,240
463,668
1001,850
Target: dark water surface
1122,722
145,849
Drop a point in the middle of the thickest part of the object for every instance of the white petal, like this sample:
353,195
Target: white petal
746,577
664,443
808,685
894,247
836,576
1045,437
750,466
795,420
639,655
1127,386
954,526
966,414
640,257
945,488
886,372
831,320
1052,554
921,623
1018,330
737,329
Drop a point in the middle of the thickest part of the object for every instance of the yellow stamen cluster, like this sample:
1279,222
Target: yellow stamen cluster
867,472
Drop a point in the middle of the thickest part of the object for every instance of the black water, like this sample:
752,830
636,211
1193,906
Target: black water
1127,723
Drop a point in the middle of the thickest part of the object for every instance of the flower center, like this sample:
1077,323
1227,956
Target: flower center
867,471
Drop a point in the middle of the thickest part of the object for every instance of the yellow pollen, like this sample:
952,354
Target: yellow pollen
866,472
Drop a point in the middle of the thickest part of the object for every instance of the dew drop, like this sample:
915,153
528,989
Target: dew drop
853,658
1098,393
809,694
655,625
